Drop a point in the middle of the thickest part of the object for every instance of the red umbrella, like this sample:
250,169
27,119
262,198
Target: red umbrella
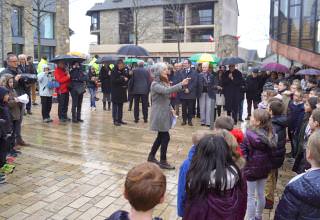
275,67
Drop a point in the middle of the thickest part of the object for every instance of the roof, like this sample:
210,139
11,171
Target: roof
247,54
119,4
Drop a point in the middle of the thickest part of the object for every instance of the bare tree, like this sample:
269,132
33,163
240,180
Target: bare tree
35,17
176,20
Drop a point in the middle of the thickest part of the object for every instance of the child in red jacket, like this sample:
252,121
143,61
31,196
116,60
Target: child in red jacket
226,122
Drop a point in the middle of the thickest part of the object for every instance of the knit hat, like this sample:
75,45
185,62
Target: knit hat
268,86
313,102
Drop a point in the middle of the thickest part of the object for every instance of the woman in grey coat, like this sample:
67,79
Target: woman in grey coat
162,112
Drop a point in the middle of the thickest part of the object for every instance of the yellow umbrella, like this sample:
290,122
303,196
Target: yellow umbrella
78,54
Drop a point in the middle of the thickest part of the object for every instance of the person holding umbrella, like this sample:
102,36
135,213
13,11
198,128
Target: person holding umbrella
231,82
105,79
119,85
62,76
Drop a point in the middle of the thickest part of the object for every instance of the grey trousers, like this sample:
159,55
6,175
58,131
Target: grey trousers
212,115
205,109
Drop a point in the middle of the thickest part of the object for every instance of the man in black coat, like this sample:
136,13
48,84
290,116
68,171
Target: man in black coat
140,86
19,84
252,92
32,70
105,79
27,86
119,85
231,82
189,95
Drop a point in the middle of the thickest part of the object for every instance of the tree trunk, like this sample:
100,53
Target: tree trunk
179,49
38,30
136,26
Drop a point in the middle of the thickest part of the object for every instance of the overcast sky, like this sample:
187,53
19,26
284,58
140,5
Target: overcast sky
253,24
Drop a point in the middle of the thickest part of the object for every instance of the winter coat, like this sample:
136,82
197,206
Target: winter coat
238,134
193,86
232,89
252,88
6,127
63,79
208,83
257,150
184,168
43,80
92,83
14,107
78,81
141,81
31,69
119,85
231,205
279,125
105,79
301,198
123,215
20,85
295,117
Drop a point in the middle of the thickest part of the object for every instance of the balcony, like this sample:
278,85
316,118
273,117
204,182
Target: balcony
204,20
94,28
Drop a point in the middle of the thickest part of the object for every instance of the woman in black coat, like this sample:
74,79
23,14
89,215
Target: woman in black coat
231,82
105,79
119,85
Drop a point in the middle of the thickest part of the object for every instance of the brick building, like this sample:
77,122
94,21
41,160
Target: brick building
158,22
18,35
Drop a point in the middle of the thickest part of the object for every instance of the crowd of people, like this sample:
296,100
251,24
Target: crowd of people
228,174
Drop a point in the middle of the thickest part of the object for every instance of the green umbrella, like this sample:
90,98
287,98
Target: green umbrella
204,57
132,60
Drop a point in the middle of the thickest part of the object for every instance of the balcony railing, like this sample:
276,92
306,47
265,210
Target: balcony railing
94,27
208,20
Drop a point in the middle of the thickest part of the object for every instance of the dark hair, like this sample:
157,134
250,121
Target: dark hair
44,57
145,186
277,107
264,118
212,154
96,56
189,62
224,122
285,83
29,58
119,61
11,55
313,81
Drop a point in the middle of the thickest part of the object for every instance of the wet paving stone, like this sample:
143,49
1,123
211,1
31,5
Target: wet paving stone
77,171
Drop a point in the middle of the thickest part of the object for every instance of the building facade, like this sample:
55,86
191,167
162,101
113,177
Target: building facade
295,30
19,35
158,25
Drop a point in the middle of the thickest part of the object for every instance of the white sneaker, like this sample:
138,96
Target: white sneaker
93,109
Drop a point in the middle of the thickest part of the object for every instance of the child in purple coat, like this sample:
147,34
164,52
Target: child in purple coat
257,148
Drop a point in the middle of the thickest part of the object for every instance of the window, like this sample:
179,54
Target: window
274,20
95,21
45,51
171,36
308,24
294,22
201,35
16,21
283,21
46,26
202,14
17,48
126,32
174,15
318,29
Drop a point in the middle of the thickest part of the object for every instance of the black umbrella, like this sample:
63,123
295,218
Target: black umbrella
231,61
133,50
67,59
107,59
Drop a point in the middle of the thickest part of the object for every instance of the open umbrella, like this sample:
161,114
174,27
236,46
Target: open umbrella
107,60
133,50
204,57
232,61
78,54
275,67
311,72
132,60
67,59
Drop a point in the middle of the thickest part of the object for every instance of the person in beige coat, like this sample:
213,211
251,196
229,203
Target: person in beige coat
162,112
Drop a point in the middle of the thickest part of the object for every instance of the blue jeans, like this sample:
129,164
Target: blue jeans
92,92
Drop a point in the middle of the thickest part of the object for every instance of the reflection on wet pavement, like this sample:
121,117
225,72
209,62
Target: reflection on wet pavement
76,171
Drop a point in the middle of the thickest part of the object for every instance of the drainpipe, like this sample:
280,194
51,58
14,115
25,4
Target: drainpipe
2,38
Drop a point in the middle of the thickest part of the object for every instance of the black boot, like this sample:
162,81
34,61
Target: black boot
109,106
165,165
104,106
152,159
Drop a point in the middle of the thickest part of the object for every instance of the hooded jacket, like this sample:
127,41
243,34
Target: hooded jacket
63,79
279,124
14,107
123,215
301,198
6,127
257,149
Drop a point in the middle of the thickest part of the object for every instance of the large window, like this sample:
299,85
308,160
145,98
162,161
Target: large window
95,21
283,21
46,25
308,24
45,51
126,25
171,36
274,19
174,15
201,35
16,21
202,14
17,48
294,22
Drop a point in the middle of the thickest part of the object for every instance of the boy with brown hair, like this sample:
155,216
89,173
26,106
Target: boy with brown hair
145,187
